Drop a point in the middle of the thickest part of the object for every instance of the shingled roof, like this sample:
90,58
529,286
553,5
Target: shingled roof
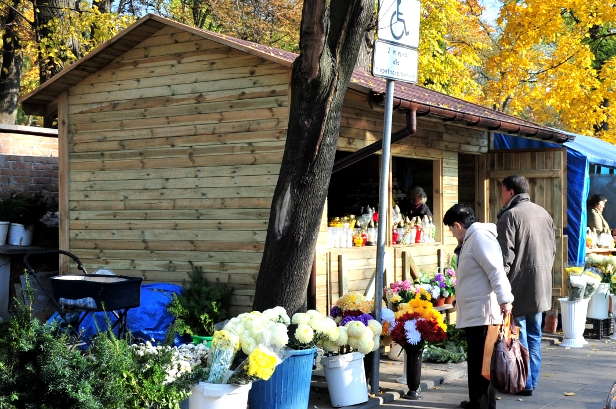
426,102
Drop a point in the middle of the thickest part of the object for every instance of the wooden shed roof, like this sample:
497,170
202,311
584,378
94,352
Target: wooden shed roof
42,101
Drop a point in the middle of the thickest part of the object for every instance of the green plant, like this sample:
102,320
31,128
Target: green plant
27,207
40,369
452,350
200,305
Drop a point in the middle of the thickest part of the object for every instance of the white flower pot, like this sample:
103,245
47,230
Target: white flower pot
574,322
599,302
218,396
613,314
4,231
20,235
346,379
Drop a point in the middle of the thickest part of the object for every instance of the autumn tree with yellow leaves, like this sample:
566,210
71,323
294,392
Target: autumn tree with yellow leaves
554,63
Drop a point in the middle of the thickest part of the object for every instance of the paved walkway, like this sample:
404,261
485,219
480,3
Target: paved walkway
575,378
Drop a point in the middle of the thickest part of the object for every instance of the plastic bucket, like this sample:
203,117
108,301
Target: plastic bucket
20,235
346,380
573,322
199,339
218,396
4,231
395,352
289,386
599,302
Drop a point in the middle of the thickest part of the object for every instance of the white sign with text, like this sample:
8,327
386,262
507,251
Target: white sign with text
394,62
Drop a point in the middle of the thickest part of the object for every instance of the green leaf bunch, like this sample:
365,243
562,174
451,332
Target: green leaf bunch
200,305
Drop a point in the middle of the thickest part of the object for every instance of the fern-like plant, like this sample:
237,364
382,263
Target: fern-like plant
200,305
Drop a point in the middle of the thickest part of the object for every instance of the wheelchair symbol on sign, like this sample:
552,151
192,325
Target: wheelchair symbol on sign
395,26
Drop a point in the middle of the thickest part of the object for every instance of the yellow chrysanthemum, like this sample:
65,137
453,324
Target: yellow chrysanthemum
395,299
225,339
262,363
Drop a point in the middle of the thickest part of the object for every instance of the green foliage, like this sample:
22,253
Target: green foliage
451,350
24,207
40,369
200,306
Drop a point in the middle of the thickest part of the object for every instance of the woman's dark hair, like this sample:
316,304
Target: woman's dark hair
459,213
595,200
417,192
517,183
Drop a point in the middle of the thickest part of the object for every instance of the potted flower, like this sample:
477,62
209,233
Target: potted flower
358,334
290,384
198,307
27,208
221,388
417,324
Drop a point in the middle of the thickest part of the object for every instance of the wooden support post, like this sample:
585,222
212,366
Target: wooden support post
343,279
409,267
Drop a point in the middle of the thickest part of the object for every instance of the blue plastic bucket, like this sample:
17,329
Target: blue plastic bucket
289,386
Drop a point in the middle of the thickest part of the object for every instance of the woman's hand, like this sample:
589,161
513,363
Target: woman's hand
506,308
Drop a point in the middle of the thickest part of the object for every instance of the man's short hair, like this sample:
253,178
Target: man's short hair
517,183
595,200
459,213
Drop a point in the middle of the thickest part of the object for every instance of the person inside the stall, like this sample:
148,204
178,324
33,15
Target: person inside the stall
417,200
596,221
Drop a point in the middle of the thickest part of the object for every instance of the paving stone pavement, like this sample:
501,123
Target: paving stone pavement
570,378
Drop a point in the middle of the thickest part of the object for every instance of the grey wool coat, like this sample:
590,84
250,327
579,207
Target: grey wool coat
526,237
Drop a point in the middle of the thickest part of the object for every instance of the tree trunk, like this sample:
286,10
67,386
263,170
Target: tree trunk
10,74
329,44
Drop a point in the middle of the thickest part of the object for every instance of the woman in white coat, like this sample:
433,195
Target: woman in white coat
483,294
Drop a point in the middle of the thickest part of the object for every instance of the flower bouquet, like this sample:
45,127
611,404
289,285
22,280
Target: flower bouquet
417,325
401,292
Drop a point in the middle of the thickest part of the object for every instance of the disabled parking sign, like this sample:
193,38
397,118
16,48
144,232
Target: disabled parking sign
398,22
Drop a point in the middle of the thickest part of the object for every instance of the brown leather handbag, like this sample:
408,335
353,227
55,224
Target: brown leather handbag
510,360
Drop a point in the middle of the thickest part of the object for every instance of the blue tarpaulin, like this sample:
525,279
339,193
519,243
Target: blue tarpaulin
581,153
147,322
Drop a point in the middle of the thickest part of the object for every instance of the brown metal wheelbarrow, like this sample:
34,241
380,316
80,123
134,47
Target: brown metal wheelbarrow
89,293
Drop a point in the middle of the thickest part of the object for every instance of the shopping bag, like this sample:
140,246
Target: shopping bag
488,348
510,360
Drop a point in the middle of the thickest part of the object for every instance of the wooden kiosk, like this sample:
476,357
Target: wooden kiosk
170,142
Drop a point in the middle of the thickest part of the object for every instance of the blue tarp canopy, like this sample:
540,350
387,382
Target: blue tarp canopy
581,153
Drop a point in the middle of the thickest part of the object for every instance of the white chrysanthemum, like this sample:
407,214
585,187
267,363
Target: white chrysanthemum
248,344
333,333
280,336
343,336
354,342
232,323
304,333
435,292
366,345
412,335
318,324
355,328
330,346
375,327
264,337
314,313
300,318
377,342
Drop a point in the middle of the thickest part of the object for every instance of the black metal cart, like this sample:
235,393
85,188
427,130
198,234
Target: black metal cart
89,293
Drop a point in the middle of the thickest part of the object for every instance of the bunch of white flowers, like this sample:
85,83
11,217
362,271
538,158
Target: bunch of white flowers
253,328
355,335
185,357
313,329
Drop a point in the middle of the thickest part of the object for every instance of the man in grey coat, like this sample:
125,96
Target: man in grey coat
526,237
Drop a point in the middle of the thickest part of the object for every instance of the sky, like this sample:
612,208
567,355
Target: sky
493,7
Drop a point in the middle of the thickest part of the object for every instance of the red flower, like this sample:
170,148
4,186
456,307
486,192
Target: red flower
429,329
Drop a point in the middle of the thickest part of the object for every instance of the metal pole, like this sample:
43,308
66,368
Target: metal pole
384,214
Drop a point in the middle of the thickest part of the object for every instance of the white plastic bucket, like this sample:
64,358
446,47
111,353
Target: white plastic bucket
20,235
4,231
218,396
574,322
599,302
346,379
395,352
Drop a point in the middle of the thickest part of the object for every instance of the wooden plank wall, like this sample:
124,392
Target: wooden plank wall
175,150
